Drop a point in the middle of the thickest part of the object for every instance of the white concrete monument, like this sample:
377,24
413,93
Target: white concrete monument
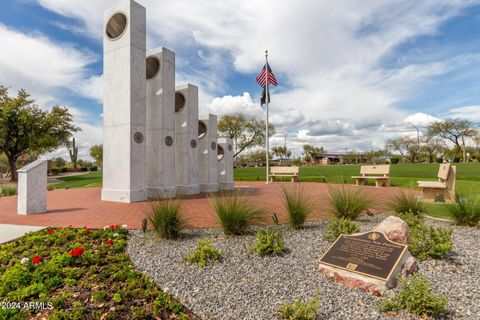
225,164
160,123
32,188
186,139
207,153
124,120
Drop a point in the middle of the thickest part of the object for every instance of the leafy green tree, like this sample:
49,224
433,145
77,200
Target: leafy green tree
246,132
282,152
96,152
25,127
313,154
58,162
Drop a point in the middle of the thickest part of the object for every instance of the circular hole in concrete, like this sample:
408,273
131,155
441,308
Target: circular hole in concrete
116,26
153,65
193,143
179,101
220,153
202,130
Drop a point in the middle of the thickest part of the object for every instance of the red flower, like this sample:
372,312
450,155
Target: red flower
87,230
110,241
113,226
36,259
50,231
376,293
76,252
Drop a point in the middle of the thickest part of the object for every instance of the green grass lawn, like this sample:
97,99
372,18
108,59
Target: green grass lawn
91,179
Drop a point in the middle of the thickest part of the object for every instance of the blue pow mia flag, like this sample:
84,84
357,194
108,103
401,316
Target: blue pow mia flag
264,97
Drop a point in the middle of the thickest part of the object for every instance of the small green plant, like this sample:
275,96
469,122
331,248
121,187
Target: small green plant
299,310
403,202
338,227
203,253
466,210
166,219
269,242
416,297
8,191
430,242
348,203
299,205
235,213
50,187
412,219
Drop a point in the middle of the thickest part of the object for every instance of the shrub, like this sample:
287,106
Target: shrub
394,160
235,212
94,168
64,169
83,169
55,171
403,202
8,191
166,219
427,241
412,219
338,227
416,297
203,253
299,205
348,203
50,187
299,310
439,160
466,211
269,242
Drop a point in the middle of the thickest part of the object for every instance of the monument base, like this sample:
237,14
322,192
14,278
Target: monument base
188,190
161,193
226,186
208,187
123,195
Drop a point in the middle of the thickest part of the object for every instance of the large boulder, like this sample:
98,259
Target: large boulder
394,228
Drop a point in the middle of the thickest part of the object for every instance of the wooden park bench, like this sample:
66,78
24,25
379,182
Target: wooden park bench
442,190
381,175
284,172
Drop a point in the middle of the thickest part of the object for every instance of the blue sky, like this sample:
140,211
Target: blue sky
352,73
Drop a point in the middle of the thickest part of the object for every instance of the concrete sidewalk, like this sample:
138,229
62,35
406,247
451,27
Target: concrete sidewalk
9,232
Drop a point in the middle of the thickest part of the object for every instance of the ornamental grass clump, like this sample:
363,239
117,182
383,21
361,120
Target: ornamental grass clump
416,297
166,218
348,203
299,205
8,191
403,202
203,253
235,212
299,310
269,242
340,226
466,210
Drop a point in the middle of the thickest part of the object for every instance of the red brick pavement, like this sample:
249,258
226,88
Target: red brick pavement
83,207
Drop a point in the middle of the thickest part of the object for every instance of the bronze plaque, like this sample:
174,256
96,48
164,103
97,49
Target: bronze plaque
370,254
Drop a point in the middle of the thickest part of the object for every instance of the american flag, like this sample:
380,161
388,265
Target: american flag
262,77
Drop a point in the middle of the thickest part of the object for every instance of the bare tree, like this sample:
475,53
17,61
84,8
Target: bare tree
432,145
456,131
406,146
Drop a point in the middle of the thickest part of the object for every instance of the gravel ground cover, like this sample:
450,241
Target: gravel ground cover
245,286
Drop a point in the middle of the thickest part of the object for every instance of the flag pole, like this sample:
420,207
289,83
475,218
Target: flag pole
267,148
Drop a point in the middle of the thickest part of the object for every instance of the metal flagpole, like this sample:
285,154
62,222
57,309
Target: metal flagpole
266,125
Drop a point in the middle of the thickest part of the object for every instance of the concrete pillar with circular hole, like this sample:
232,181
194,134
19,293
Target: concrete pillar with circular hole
124,119
160,123
186,139
207,153
225,164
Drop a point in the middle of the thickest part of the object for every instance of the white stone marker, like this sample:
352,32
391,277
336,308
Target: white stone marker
225,164
124,120
32,188
186,139
207,153
160,123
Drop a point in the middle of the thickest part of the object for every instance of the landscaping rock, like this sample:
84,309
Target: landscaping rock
410,266
394,228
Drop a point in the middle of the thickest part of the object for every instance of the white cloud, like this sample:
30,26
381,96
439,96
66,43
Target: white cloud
467,112
420,119
328,56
